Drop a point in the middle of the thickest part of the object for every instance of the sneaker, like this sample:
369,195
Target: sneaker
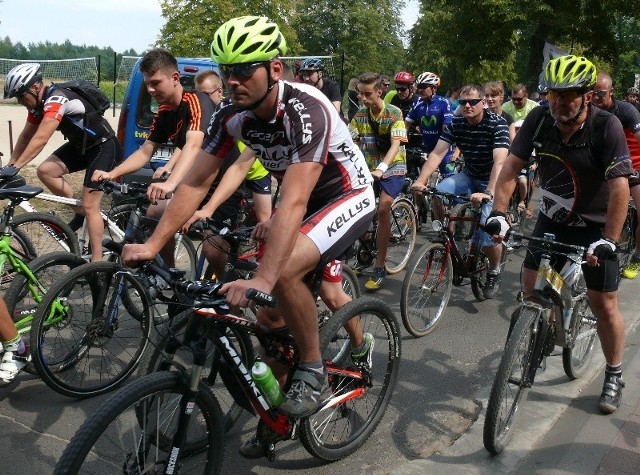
12,363
253,448
630,271
491,286
304,395
375,282
362,356
611,393
76,222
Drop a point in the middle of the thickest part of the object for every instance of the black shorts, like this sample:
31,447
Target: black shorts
261,186
104,156
227,212
603,278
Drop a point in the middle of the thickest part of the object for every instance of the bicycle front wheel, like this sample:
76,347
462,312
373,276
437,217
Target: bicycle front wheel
512,380
364,388
84,341
132,432
575,360
403,235
152,360
47,233
426,289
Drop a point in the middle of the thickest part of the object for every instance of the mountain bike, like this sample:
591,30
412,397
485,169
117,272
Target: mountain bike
401,242
29,279
558,314
169,419
453,255
628,237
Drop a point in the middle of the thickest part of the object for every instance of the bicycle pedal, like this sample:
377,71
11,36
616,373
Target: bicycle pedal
270,452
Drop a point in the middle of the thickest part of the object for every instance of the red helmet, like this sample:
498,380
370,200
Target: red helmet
404,77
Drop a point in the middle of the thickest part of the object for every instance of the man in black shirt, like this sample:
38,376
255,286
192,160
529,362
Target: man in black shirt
583,164
312,72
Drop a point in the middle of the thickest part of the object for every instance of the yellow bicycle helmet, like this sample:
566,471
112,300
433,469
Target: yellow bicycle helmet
247,39
568,72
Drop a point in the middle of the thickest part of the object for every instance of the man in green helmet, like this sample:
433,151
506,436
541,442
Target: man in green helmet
326,201
584,166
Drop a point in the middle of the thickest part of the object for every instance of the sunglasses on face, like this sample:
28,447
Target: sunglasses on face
471,102
567,96
601,94
517,99
241,71
401,88
422,87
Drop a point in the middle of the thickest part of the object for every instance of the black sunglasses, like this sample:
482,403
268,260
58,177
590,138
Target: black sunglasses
601,94
471,102
241,71
401,88
517,99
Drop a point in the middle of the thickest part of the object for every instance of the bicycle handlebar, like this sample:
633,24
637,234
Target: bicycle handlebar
548,242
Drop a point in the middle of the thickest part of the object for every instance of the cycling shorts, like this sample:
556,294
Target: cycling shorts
603,278
336,226
260,186
333,272
103,156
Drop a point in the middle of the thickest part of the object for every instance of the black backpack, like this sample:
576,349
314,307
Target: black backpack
88,91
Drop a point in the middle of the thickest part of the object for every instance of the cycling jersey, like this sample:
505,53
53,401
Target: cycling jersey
431,116
172,125
305,128
331,89
82,130
573,176
405,105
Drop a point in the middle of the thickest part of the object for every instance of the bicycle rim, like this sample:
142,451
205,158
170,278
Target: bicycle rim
511,381
128,433
426,289
575,360
85,341
403,236
358,402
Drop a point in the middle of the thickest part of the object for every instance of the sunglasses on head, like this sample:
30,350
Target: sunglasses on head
471,102
241,71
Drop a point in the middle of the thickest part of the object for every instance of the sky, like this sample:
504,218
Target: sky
121,24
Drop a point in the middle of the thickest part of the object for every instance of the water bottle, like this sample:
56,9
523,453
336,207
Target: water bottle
267,383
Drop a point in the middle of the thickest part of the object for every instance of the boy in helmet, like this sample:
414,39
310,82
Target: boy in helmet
91,142
586,193
298,135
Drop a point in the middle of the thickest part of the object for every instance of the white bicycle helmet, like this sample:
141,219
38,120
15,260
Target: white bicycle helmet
21,78
430,79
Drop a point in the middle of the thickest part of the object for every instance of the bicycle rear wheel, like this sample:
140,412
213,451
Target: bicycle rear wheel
403,235
47,233
132,432
512,380
84,341
575,360
426,289
152,360
337,431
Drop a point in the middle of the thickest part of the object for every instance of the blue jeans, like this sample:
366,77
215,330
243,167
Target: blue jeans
464,184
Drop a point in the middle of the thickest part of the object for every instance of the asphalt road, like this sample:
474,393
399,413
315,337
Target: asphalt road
435,400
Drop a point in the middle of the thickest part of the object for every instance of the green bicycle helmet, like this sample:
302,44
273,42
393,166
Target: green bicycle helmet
247,39
568,72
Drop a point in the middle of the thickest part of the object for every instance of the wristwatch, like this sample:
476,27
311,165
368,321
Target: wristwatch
487,192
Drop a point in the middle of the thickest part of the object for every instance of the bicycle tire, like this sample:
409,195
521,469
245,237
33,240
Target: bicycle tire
47,233
336,432
105,442
350,282
21,247
151,360
575,360
403,235
426,289
75,352
20,300
511,382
